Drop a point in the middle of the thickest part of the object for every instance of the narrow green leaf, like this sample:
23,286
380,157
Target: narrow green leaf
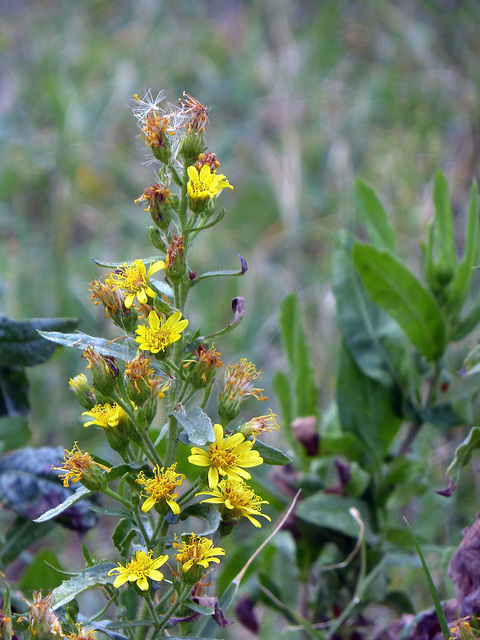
86,579
433,591
444,230
80,493
466,324
375,340
281,386
305,393
196,423
373,216
271,455
124,533
394,287
458,290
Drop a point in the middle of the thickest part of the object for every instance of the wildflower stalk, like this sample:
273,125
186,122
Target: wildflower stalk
182,596
115,496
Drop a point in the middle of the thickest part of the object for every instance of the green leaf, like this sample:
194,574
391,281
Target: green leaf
463,453
86,579
41,574
466,324
394,287
196,423
14,432
215,274
305,393
21,536
444,230
82,341
205,512
80,493
366,408
373,216
271,455
374,339
457,291
20,342
281,387
124,533
329,511
433,592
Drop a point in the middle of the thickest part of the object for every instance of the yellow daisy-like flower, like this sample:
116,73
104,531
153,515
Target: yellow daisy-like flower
160,333
226,457
238,500
205,184
105,415
78,464
198,551
141,567
161,486
133,278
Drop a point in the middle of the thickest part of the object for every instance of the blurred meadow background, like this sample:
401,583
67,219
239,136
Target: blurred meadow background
305,96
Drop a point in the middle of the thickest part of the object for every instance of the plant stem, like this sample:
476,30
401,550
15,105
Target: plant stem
109,492
176,605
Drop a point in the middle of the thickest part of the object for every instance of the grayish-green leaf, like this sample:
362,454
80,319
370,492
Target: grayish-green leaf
394,287
271,455
374,217
207,512
86,579
80,493
196,423
79,340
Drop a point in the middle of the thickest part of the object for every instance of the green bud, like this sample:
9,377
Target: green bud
83,391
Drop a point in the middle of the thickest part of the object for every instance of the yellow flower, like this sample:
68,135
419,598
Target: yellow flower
226,456
141,567
160,334
161,487
198,551
238,500
77,465
105,415
205,184
133,278
82,633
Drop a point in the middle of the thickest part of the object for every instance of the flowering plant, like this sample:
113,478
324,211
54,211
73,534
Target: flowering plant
161,370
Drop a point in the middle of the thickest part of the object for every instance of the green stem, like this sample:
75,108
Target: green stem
188,495
206,396
148,444
165,598
143,531
109,492
160,531
171,441
176,605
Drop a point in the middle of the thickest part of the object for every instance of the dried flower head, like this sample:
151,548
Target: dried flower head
196,113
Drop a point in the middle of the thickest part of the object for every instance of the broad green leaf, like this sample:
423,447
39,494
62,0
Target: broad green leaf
80,493
14,432
124,533
271,455
394,287
41,573
366,408
444,231
329,511
20,342
305,393
86,579
346,444
281,385
21,536
373,216
375,340
196,423
82,341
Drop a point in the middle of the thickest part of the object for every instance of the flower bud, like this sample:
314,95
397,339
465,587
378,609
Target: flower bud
82,390
137,374
158,199
202,369
175,260
43,623
238,386
191,147
6,630
104,371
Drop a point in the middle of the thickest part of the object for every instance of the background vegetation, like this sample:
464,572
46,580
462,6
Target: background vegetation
304,97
